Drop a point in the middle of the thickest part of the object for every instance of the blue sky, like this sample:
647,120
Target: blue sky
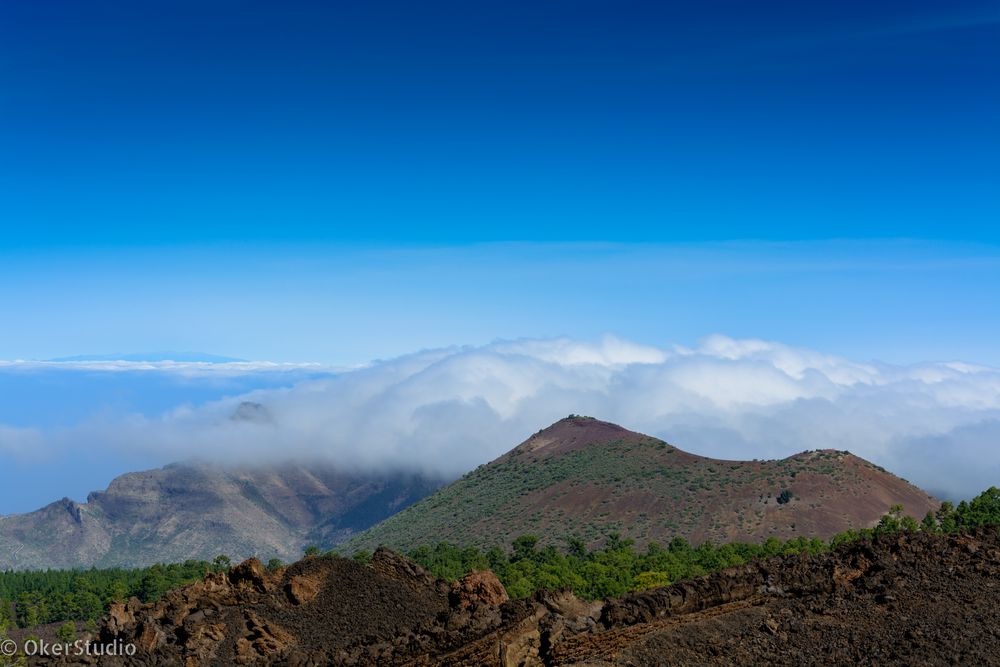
340,182
895,301
454,122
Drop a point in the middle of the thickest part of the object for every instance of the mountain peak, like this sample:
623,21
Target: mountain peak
572,433
586,478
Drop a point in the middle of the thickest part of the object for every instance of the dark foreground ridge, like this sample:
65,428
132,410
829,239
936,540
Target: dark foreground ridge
908,598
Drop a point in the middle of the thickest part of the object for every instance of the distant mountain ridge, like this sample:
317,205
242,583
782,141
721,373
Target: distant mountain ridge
585,478
152,357
198,511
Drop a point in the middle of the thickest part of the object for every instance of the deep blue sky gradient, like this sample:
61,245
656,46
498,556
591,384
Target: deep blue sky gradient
149,123
328,181
339,181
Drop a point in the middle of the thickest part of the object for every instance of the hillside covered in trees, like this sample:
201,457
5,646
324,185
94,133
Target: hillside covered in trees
29,598
619,567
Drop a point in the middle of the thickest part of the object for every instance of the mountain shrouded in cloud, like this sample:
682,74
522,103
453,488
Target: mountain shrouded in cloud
446,411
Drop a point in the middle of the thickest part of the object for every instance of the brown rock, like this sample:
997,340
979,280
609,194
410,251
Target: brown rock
148,635
119,618
264,640
303,588
481,587
203,641
390,564
832,609
250,574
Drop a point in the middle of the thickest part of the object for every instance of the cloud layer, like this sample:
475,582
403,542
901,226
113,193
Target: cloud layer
448,410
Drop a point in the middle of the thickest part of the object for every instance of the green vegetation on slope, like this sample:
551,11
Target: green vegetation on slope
638,486
610,571
30,598
618,568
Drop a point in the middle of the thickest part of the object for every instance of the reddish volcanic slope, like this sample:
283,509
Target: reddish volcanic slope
586,478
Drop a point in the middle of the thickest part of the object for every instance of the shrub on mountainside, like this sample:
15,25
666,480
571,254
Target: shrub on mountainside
981,510
8,660
645,580
67,632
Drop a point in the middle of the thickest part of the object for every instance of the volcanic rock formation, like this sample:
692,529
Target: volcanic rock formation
910,599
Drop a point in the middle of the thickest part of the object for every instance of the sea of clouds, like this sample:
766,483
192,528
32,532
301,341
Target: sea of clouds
446,411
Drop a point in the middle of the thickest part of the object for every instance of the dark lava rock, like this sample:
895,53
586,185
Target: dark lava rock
910,599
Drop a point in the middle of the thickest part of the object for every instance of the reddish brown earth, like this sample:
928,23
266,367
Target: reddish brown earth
585,478
910,599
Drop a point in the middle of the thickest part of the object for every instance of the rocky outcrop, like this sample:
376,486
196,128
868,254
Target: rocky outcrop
903,599
475,588
398,568
303,588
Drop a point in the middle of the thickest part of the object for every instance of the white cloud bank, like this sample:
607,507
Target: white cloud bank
937,424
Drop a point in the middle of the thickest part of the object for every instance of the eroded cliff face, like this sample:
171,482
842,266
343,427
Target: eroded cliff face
906,599
198,511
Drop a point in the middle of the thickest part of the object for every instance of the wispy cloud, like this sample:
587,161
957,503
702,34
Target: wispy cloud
448,410
174,367
19,442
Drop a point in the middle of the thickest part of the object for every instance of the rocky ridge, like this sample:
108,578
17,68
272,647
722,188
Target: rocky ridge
910,598
198,511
